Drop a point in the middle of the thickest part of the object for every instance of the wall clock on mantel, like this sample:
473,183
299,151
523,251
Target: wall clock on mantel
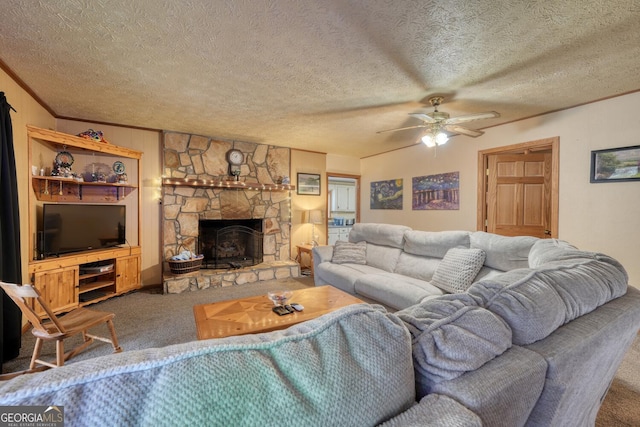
235,158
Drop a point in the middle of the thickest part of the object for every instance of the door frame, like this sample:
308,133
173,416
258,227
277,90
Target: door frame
328,203
552,144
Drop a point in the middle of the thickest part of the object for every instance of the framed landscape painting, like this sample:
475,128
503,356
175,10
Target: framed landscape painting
615,164
309,184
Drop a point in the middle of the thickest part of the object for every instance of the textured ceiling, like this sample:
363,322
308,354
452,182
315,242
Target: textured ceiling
317,75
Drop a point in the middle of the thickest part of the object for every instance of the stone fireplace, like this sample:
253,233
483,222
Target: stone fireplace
197,189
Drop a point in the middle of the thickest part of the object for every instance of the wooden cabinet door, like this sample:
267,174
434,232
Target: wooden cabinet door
127,273
334,236
59,288
518,198
333,197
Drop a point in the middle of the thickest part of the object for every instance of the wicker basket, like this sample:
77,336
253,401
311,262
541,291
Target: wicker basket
184,266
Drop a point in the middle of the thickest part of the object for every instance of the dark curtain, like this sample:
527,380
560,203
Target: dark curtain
10,265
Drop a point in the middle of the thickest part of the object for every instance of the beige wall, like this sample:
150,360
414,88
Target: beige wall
596,217
28,112
150,144
343,164
307,162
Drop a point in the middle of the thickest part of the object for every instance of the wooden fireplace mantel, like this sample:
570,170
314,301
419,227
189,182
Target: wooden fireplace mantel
230,184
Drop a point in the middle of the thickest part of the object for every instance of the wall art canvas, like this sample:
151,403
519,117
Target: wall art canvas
436,192
386,194
616,164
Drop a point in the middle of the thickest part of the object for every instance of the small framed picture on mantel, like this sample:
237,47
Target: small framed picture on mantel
616,164
308,184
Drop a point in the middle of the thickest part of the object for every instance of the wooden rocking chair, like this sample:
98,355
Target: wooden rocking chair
58,328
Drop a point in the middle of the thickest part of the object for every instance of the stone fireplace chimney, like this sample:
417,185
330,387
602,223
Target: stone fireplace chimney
196,186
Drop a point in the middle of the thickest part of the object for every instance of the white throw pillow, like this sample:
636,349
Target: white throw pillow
458,269
351,253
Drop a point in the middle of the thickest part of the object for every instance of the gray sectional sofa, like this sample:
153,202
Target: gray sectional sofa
531,336
399,263
523,345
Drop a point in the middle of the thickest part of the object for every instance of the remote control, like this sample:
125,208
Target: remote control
297,307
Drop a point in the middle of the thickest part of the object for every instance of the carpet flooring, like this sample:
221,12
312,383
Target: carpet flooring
148,319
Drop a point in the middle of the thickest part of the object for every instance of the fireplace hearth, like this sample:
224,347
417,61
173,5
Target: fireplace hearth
231,244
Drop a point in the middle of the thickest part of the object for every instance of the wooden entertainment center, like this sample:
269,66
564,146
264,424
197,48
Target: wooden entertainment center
81,278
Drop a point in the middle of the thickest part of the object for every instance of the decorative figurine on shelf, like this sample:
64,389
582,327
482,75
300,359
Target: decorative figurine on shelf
285,180
55,171
94,135
118,168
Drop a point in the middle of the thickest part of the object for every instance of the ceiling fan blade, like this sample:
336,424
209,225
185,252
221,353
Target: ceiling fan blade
463,131
408,127
471,117
424,117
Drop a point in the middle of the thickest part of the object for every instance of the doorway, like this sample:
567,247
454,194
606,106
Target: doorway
343,205
518,188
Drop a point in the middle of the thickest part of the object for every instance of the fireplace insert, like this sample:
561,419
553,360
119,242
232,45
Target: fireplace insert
230,243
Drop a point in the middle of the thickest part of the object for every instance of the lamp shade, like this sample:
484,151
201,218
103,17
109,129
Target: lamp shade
313,216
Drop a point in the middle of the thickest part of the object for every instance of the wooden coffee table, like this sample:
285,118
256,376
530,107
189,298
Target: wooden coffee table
253,315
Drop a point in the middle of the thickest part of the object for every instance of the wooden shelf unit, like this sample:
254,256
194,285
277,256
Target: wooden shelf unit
57,189
61,279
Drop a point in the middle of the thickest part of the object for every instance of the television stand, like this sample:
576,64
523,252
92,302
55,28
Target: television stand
83,278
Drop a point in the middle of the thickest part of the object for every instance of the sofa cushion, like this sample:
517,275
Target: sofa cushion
532,308
546,250
458,269
434,243
343,276
419,267
394,290
379,234
559,252
382,257
503,253
347,252
352,366
502,392
536,302
452,335
435,410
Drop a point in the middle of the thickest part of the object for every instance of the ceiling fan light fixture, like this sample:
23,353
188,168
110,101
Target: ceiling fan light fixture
441,138
428,140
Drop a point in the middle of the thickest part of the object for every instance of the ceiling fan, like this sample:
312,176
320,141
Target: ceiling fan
438,122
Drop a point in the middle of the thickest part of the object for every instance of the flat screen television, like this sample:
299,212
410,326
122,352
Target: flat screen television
76,228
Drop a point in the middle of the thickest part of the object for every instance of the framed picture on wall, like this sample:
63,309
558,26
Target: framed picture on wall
308,184
436,192
386,194
615,164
